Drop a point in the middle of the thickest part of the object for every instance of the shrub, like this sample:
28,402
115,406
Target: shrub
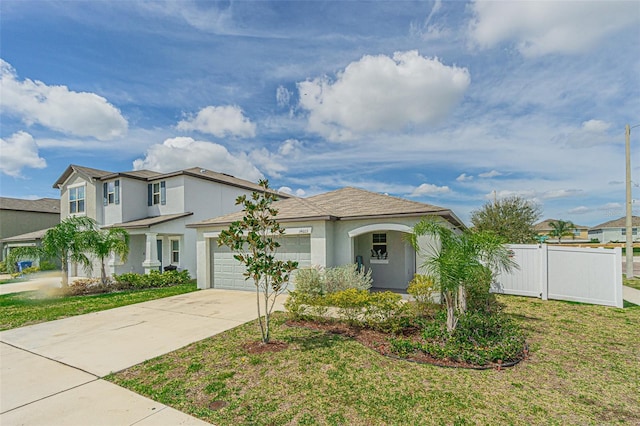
46,265
309,281
479,338
422,288
151,280
3,268
382,312
84,286
30,270
346,277
350,304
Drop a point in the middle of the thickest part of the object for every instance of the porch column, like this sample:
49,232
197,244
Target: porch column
151,262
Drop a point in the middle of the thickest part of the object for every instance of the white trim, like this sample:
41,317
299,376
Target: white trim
380,227
287,231
379,261
171,240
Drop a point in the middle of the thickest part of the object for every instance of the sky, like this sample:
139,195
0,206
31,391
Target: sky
448,103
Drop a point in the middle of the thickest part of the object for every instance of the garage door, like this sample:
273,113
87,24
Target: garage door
227,271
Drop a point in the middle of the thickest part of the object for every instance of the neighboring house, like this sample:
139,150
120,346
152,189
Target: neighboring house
153,207
18,217
345,226
580,233
30,239
615,230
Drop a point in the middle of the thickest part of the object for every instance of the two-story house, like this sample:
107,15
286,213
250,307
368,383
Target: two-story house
153,207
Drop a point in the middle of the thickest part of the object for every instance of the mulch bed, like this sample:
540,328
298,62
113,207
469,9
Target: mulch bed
379,342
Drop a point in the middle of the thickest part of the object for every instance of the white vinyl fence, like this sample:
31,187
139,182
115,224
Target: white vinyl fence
588,275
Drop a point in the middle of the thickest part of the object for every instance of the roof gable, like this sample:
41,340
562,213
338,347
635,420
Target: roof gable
619,223
343,204
43,205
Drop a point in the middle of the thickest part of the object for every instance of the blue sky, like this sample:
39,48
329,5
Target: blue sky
439,102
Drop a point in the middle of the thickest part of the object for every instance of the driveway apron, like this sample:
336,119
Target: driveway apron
50,373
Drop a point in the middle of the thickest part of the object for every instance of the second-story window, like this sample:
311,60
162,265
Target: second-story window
157,193
76,199
111,192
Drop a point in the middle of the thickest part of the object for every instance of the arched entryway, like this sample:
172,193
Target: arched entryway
384,249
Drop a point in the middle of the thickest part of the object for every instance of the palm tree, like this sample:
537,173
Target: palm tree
562,228
104,242
67,241
458,260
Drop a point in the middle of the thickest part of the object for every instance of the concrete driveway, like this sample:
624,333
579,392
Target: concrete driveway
50,373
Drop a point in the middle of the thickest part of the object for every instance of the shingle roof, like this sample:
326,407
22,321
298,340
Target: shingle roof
342,204
619,223
43,205
29,236
544,225
148,222
149,175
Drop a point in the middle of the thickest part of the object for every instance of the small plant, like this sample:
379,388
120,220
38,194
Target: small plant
46,265
350,304
309,281
422,288
30,270
346,277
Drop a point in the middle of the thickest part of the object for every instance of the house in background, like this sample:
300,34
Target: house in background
345,226
580,233
21,221
615,230
153,207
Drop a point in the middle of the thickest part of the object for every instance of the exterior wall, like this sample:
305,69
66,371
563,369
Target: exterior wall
13,222
111,213
607,235
93,198
133,199
135,258
208,199
332,245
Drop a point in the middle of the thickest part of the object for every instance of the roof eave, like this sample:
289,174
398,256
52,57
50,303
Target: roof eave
282,220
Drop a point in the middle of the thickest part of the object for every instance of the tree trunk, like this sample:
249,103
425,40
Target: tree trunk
259,311
462,299
65,271
450,302
103,272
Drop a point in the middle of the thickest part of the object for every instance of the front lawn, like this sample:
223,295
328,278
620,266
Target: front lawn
583,369
32,307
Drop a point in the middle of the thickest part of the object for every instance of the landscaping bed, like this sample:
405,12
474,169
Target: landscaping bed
582,369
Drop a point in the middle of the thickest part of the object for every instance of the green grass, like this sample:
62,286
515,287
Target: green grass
583,369
633,283
32,307
12,280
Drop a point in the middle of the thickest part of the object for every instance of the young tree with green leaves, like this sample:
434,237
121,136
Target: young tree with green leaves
254,239
561,228
458,261
511,218
104,242
67,241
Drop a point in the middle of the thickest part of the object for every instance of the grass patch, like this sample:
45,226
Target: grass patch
633,283
32,307
582,370
13,280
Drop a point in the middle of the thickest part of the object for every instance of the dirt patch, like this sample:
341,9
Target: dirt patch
260,347
379,342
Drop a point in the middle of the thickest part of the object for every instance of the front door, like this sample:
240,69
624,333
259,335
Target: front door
159,243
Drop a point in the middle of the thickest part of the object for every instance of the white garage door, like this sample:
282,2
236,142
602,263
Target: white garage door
227,271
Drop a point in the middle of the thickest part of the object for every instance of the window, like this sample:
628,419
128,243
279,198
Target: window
175,251
157,193
111,192
76,199
379,249
634,231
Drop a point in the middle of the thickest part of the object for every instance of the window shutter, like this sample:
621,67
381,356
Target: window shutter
150,194
163,193
105,195
117,195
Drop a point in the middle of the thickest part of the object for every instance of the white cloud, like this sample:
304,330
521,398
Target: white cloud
269,162
184,152
287,190
531,194
283,96
580,210
379,93
544,27
591,133
491,174
290,147
429,189
220,121
19,151
464,178
58,108
611,206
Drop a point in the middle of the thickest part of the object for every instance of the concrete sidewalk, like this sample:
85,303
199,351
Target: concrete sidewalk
50,372
631,295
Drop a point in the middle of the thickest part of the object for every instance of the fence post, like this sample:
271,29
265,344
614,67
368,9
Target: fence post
543,257
617,278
